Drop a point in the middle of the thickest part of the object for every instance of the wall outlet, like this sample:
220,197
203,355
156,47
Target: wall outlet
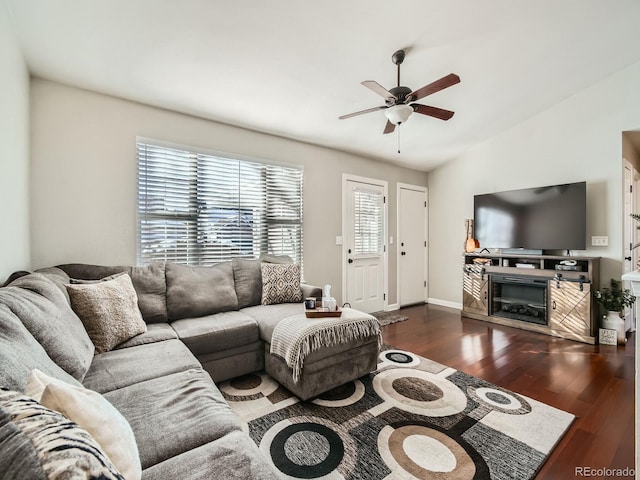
600,241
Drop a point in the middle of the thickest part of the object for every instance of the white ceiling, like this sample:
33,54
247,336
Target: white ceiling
291,67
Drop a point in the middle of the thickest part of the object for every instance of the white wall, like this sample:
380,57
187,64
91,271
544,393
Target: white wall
576,140
83,180
14,152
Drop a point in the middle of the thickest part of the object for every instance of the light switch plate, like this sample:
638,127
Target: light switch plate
338,240
600,241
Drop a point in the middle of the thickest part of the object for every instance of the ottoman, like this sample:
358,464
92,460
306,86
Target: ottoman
310,356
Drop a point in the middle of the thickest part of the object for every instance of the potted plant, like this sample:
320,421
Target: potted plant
614,299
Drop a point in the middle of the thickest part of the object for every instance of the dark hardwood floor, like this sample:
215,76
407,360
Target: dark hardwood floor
595,383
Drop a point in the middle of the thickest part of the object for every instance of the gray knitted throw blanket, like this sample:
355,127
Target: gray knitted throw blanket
295,337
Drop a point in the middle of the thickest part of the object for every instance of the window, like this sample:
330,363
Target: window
367,213
197,208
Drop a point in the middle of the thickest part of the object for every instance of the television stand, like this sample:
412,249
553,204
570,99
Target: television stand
549,294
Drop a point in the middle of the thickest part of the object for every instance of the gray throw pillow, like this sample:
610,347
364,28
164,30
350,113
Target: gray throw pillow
247,276
281,283
46,313
109,311
151,287
40,443
198,291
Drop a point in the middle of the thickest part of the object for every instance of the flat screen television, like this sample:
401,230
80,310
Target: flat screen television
543,218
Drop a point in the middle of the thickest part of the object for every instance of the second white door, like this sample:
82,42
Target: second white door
412,244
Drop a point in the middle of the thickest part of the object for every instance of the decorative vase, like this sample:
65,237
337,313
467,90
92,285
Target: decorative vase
613,321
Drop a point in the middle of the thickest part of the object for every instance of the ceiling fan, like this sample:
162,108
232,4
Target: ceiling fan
398,100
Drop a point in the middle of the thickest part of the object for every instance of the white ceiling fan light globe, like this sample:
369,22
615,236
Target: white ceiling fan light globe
398,113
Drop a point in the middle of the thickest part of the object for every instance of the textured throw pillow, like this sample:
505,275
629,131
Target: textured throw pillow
109,311
280,283
95,414
41,443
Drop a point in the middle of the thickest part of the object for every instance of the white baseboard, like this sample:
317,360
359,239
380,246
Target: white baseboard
392,307
445,303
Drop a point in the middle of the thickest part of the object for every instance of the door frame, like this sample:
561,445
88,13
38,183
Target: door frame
346,177
424,190
630,232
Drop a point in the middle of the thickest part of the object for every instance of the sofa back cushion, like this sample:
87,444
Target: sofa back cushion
148,281
20,353
46,313
197,291
247,275
248,280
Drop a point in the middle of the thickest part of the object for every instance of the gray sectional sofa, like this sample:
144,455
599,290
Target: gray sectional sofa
201,324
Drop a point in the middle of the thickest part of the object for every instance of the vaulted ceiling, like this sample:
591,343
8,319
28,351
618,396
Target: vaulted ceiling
291,67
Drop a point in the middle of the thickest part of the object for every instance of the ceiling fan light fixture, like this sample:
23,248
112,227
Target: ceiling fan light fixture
398,113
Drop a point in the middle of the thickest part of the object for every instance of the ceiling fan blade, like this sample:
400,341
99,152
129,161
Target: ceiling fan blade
444,82
389,127
368,110
436,112
379,89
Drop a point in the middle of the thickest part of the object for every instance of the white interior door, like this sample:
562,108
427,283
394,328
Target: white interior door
364,234
412,244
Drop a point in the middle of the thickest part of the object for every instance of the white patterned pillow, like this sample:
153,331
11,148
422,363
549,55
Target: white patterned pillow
40,443
95,414
280,283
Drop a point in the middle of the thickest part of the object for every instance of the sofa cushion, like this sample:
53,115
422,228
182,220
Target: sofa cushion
149,282
156,332
247,276
39,443
109,311
218,332
197,291
268,316
121,368
234,454
280,283
173,414
151,287
269,258
44,310
58,277
92,412
20,353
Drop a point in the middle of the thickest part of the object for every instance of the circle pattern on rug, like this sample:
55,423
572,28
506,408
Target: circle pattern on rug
404,449
250,385
417,389
423,398
246,382
500,400
307,450
341,396
397,358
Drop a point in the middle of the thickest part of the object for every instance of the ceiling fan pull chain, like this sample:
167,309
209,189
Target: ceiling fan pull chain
398,138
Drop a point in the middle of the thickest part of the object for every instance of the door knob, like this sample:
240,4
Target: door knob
627,258
350,260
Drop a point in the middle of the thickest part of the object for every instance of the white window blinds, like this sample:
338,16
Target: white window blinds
200,209
367,215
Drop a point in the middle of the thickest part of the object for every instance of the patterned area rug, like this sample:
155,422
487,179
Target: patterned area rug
412,418
387,318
